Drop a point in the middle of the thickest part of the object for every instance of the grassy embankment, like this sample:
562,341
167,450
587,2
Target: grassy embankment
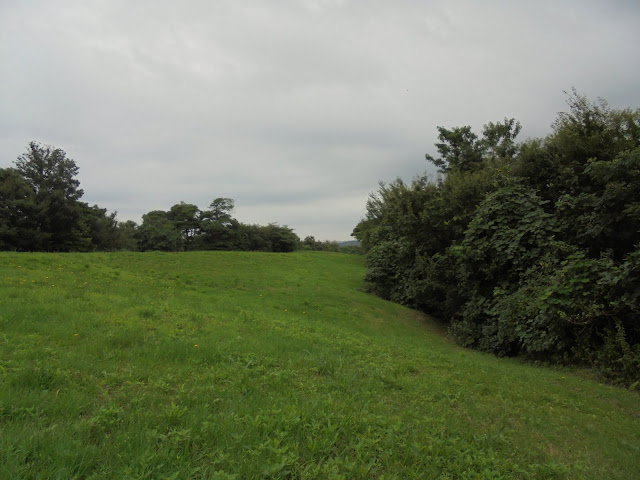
247,365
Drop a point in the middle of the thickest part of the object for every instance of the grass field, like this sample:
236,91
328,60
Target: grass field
247,365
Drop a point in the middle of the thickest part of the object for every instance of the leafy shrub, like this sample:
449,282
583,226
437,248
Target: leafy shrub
578,310
528,249
508,236
385,261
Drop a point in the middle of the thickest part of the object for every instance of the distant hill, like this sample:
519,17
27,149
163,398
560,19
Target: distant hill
349,243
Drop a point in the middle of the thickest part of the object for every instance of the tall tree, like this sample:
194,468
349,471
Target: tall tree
51,176
220,231
49,171
185,217
221,209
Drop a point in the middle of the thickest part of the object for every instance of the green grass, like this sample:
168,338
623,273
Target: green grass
248,365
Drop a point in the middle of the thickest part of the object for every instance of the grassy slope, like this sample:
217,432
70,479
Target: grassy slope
247,365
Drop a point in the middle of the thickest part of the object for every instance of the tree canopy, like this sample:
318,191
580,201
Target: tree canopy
527,248
40,210
50,212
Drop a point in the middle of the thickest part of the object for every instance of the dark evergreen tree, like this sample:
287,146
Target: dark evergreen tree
58,215
18,212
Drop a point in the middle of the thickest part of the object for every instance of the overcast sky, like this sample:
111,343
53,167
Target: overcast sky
293,108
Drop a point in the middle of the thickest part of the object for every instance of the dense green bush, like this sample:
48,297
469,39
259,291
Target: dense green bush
509,234
524,249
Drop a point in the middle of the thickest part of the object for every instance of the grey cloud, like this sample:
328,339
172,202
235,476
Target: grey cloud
296,108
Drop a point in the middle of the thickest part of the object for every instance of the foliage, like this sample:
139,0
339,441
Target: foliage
221,209
461,150
522,249
184,228
40,210
184,218
57,216
48,171
508,236
102,228
606,217
18,211
158,232
310,243
589,132
278,238
127,235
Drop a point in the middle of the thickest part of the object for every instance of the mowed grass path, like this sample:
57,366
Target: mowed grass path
223,365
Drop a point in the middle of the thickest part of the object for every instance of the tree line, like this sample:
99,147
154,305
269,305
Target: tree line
41,210
528,248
